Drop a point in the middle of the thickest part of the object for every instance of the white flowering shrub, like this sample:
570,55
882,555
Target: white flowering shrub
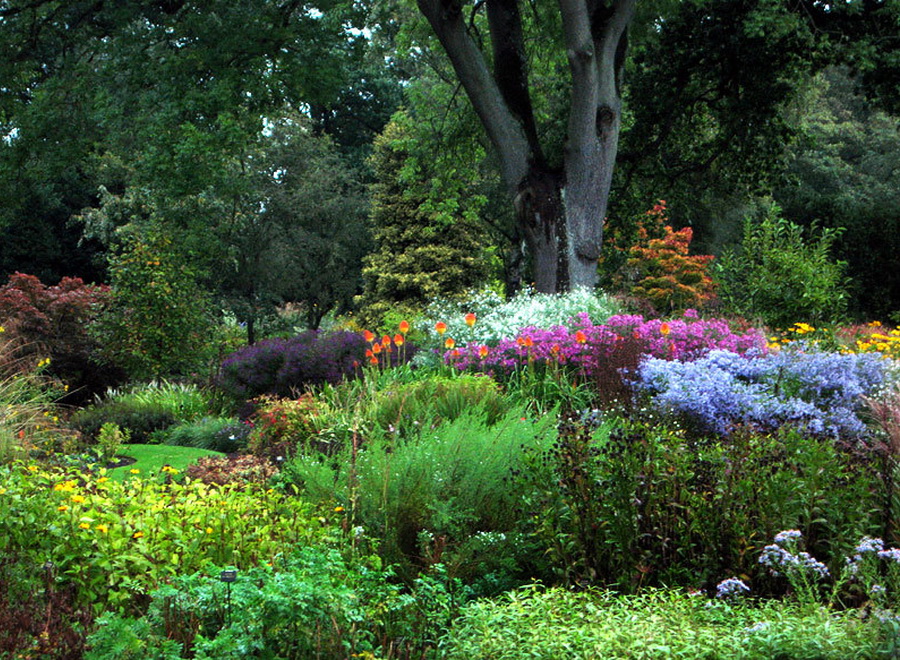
497,319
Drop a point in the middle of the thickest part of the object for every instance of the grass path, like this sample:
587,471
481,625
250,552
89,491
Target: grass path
150,459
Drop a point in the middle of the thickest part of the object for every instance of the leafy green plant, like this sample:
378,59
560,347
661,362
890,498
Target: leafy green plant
434,400
311,603
559,623
633,504
110,441
780,275
442,495
156,322
114,542
143,409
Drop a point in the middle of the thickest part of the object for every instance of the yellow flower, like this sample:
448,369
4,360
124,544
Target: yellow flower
62,508
338,509
102,480
78,499
102,528
32,468
137,535
134,471
85,525
2,491
2,329
209,530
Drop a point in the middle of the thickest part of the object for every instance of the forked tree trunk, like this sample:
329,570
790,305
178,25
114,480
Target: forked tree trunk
560,214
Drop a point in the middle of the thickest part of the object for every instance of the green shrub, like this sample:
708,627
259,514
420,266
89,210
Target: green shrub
311,604
781,276
156,322
110,441
630,504
143,410
558,623
141,421
441,495
435,400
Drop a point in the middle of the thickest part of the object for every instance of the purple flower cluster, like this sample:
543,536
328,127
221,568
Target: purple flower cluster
283,366
816,392
731,588
586,346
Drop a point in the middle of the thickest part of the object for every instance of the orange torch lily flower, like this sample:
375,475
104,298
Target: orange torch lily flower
449,343
386,341
482,352
376,348
368,336
470,319
404,327
440,327
664,329
580,337
398,339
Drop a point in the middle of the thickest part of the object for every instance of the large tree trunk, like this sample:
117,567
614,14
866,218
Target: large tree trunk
540,214
560,214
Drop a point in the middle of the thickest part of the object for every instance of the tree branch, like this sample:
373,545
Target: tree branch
504,131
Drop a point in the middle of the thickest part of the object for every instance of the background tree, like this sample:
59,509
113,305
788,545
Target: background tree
846,173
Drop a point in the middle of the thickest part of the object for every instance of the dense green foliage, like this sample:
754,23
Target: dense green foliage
492,472
779,274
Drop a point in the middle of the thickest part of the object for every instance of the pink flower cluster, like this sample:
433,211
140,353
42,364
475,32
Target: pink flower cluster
585,346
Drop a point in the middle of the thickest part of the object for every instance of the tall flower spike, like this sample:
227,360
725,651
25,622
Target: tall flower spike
368,336
404,327
440,327
470,319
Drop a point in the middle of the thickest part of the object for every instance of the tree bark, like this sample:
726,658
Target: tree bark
560,214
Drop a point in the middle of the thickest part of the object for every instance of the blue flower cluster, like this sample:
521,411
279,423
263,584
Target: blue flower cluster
816,392
731,588
782,558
